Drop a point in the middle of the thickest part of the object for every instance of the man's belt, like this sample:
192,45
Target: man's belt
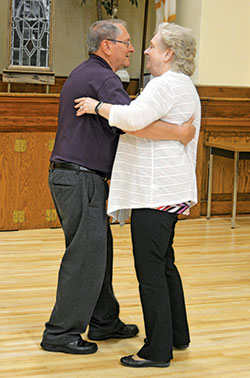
75,167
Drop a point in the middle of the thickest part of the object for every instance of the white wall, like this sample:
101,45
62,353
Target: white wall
225,43
222,31
188,14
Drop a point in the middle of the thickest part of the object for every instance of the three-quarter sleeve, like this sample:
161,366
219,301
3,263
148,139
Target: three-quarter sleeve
154,102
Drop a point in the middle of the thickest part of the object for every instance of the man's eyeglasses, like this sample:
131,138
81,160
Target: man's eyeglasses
117,40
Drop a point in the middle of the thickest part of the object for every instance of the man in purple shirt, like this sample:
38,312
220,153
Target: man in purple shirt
81,163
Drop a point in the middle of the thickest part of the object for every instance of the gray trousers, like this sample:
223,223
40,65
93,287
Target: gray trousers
84,292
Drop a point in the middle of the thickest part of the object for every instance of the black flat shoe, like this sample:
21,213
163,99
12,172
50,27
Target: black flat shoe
78,346
126,331
130,362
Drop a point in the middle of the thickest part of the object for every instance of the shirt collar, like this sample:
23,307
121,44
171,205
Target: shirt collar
103,61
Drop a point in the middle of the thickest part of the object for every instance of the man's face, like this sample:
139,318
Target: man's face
120,52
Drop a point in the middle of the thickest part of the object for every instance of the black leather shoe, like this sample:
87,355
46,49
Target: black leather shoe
130,362
126,331
78,346
181,347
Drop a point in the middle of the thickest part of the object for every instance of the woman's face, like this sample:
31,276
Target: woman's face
156,57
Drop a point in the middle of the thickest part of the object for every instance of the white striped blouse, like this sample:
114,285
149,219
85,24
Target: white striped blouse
153,173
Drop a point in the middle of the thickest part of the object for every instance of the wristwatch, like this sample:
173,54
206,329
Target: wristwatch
100,103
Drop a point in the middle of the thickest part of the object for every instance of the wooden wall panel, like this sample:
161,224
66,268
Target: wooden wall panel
25,201
27,130
213,91
8,182
28,112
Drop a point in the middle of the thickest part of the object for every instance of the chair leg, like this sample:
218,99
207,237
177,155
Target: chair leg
235,188
210,178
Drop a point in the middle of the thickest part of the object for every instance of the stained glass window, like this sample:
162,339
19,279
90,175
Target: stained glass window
30,32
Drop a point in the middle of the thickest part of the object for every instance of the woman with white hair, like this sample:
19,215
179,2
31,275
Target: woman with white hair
155,179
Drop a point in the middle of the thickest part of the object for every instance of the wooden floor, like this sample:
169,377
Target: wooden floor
214,261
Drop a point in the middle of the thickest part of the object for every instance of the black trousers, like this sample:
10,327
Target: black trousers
84,291
160,284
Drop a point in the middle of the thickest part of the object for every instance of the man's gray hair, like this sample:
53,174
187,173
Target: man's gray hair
100,30
182,42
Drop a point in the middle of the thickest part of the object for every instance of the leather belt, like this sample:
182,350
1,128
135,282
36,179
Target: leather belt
75,167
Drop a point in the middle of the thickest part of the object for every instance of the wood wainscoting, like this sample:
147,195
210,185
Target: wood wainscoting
28,124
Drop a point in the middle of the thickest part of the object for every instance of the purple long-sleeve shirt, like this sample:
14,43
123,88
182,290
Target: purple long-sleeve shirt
88,140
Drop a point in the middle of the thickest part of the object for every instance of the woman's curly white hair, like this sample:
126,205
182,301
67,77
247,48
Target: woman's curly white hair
183,44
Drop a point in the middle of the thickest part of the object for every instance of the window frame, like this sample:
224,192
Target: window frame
30,74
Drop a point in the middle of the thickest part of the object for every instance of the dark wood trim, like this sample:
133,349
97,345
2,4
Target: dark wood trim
28,112
223,91
32,77
33,88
